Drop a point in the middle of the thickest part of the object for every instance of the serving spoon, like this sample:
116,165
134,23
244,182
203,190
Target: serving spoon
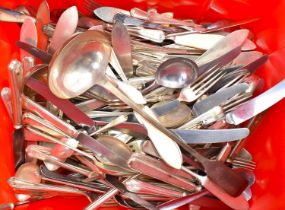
84,55
81,64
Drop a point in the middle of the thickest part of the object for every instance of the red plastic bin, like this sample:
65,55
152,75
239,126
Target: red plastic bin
266,143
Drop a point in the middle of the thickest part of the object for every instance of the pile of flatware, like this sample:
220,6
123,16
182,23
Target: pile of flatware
133,108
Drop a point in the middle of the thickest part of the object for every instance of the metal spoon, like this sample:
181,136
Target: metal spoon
175,116
93,51
71,66
119,148
174,73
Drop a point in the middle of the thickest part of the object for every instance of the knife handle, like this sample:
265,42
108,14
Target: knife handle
159,170
15,68
68,108
173,204
138,13
32,106
42,125
138,186
43,153
28,62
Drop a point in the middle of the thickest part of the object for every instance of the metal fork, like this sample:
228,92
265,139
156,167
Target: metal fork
202,84
242,160
243,163
238,77
90,5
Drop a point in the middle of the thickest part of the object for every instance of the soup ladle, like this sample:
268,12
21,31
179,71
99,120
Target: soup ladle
81,64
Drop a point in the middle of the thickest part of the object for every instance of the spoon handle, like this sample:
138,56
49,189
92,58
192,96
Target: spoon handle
111,86
176,203
150,88
15,68
235,202
102,199
225,175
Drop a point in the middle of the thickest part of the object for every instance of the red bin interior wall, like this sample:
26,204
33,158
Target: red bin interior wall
267,142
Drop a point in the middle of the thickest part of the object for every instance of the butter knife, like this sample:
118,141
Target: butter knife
222,52
28,35
43,18
64,29
211,136
218,98
256,105
107,13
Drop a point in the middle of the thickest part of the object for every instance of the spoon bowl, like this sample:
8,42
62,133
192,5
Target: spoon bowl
81,64
119,147
176,72
74,68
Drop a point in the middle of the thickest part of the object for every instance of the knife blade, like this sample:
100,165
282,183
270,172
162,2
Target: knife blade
223,51
42,55
211,136
256,105
66,106
250,61
43,18
166,107
8,15
121,43
28,34
107,13
253,66
218,98
127,20
65,28
244,58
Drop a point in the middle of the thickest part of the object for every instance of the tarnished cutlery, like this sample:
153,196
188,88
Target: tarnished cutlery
133,107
